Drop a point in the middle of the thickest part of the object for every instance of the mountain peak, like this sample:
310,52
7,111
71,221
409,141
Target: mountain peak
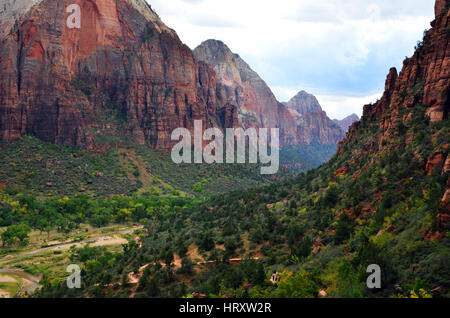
146,10
304,103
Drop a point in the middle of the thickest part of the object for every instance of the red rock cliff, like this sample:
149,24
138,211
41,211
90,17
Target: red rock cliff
124,73
424,80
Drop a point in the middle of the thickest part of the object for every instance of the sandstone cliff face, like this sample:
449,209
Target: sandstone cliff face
347,122
242,86
124,73
12,11
317,127
424,80
313,124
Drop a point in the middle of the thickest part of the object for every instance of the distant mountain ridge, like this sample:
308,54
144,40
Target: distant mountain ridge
304,103
241,86
301,121
313,124
347,122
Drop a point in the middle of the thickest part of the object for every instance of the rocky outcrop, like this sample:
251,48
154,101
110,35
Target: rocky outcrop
243,87
436,162
347,122
444,211
12,11
440,6
424,80
317,127
124,73
313,124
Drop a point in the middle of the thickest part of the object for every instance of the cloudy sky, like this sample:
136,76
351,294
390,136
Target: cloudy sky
338,50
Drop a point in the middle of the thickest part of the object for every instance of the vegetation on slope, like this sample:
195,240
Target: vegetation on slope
320,230
34,167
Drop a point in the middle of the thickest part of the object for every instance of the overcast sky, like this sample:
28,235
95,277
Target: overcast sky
338,50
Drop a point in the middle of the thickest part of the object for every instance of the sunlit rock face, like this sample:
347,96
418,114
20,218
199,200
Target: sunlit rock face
123,73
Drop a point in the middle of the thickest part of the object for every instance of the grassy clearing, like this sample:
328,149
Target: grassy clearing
9,285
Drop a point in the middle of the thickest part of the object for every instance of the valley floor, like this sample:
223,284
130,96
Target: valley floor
22,270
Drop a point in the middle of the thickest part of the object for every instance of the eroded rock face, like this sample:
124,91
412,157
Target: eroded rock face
242,86
436,162
439,7
124,73
12,11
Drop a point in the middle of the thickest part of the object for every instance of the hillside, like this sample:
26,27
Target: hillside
33,167
382,199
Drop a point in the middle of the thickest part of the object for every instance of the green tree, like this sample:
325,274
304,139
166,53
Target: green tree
344,228
16,234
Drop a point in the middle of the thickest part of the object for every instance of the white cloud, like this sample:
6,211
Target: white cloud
339,107
331,47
